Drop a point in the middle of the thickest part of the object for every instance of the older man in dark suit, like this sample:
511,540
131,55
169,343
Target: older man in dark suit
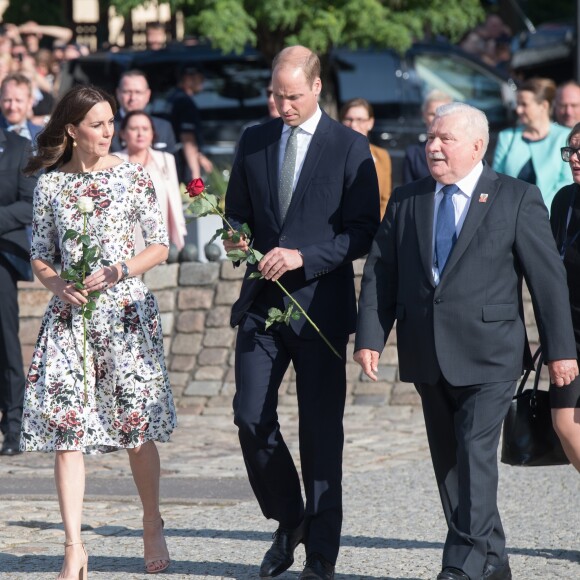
447,264
307,187
15,215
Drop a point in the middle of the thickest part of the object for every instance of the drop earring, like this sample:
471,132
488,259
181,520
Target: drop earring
74,143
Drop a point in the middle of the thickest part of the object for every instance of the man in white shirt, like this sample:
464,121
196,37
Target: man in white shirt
16,100
447,264
307,187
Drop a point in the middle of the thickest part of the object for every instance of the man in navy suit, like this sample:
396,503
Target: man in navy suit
307,187
15,214
16,102
447,264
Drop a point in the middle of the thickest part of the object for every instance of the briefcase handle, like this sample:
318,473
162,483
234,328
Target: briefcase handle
539,358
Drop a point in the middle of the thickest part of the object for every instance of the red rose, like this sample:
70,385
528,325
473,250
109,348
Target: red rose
195,187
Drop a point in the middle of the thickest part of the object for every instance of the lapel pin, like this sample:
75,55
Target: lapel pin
483,197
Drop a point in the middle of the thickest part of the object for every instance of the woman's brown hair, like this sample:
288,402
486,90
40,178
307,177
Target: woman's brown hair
54,144
136,113
358,102
542,89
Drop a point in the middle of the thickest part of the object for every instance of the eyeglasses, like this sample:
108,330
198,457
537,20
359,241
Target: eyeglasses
352,120
568,152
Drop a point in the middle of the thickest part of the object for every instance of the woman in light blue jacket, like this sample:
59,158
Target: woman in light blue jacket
531,151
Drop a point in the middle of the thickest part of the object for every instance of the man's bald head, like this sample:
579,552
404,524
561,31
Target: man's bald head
299,57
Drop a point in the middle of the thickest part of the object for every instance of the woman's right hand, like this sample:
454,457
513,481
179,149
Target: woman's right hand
67,292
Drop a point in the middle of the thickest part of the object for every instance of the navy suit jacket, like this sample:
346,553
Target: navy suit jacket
332,218
34,129
15,202
470,327
415,163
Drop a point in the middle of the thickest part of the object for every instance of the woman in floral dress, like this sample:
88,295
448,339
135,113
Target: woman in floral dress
98,380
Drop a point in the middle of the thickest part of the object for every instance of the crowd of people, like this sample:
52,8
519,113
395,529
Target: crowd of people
447,252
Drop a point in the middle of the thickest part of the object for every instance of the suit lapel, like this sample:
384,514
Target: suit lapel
272,153
310,162
484,195
424,208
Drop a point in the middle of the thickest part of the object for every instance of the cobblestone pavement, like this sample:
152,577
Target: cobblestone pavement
393,526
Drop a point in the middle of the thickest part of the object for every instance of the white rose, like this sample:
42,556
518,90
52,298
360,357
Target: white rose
86,205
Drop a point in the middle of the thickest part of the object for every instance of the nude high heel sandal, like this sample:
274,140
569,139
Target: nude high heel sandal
158,555
84,569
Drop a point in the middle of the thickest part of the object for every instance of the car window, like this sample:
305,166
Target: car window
231,89
464,81
368,74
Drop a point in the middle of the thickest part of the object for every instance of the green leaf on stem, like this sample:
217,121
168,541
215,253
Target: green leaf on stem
79,286
85,240
88,314
206,204
69,235
69,274
236,255
92,254
90,305
274,315
221,232
255,275
245,229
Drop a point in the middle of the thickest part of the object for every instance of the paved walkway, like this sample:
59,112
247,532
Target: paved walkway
393,526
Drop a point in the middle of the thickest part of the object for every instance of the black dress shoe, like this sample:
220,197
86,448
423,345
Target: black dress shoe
317,568
10,447
497,572
281,555
452,574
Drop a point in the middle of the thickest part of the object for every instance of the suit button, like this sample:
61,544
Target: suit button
282,238
437,301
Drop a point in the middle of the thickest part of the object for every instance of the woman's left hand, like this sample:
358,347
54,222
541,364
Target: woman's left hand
101,280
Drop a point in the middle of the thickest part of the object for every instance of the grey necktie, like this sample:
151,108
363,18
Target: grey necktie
286,185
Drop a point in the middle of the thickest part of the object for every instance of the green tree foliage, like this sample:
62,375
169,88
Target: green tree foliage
272,24
41,11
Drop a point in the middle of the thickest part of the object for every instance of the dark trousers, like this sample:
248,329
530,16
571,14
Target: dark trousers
463,428
11,373
262,358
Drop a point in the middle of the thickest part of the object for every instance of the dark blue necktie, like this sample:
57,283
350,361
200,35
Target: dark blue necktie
445,235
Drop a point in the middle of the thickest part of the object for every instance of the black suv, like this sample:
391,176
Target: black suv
234,88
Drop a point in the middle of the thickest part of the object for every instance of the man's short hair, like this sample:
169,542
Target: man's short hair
474,120
133,73
433,96
17,78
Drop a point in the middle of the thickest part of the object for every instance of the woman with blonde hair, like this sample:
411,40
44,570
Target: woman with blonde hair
531,151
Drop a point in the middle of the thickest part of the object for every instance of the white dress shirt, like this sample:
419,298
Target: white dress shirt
304,136
461,200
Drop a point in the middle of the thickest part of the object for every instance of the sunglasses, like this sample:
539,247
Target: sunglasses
568,152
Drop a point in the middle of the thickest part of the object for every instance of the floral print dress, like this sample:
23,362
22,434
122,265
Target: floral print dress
128,399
